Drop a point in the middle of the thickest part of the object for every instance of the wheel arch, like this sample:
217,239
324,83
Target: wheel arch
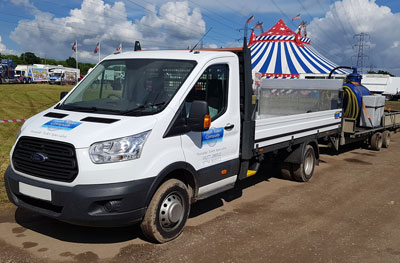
180,170
296,156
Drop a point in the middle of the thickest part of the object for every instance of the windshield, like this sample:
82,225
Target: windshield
130,86
55,74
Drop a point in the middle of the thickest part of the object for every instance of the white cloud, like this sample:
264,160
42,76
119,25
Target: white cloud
174,24
4,50
335,32
2,46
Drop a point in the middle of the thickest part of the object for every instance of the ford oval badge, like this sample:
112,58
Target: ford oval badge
39,157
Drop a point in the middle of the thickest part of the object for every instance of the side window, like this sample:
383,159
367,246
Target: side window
212,87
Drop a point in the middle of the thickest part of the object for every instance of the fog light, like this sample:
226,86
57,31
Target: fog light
112,206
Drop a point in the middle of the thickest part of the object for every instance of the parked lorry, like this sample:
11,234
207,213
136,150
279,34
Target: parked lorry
62,75
21,73
36,73
146,134
7,71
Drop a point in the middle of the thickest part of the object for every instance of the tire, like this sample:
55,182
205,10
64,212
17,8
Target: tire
376,141
386,137
287,171
29,81
167,212
304,171
24,81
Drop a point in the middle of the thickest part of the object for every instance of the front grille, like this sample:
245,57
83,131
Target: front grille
60,163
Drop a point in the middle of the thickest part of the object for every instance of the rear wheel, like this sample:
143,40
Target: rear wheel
386,137
167,213
304,171
376,141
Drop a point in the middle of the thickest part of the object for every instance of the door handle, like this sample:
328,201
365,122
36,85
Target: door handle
229,127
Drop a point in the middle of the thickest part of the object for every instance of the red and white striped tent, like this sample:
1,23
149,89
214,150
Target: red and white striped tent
282,53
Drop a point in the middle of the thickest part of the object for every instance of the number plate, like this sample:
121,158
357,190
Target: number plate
35,192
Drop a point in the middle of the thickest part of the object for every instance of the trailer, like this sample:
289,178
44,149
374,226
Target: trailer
146,134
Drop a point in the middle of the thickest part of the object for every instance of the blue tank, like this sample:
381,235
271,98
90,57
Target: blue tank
353,82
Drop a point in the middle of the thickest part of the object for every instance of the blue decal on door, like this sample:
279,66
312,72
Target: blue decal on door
212,136
61,124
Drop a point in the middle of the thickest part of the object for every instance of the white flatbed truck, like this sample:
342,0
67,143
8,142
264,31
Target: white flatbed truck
167,129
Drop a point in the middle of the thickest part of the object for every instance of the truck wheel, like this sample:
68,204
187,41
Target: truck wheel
386,139
304,171
376,141
29,81
287,171
167,213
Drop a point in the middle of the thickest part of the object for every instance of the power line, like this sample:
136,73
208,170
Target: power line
345,33
317,25
183,26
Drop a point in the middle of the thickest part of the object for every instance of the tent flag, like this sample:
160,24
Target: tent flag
282,53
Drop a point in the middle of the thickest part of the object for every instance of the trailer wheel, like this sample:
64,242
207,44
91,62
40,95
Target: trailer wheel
386,136
287,171
304,171
376,141
167,213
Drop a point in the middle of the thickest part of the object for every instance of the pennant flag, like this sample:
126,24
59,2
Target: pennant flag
74,46
296,17
119,48
97,48
250,19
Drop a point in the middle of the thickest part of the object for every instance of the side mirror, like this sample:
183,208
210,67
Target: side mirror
199,119
63,94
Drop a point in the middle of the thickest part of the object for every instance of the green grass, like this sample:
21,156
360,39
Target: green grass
21,101
394,105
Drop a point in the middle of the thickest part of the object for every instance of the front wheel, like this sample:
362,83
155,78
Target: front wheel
167,213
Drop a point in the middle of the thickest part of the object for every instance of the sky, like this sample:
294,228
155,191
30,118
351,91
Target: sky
49,27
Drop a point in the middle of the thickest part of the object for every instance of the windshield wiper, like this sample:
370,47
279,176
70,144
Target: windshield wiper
87,109
143,107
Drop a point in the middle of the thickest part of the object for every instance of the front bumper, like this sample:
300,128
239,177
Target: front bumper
105,205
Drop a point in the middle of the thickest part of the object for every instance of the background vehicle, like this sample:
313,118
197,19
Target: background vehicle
7,71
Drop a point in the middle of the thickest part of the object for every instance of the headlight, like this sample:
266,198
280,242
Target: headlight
118,150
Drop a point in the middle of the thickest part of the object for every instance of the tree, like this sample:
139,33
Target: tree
71,62
383,72
30,58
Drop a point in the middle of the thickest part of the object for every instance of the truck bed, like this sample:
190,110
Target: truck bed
276,130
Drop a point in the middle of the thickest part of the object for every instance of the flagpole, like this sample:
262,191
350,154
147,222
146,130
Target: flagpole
76,53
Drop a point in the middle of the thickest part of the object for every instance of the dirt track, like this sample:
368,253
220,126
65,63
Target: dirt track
349,212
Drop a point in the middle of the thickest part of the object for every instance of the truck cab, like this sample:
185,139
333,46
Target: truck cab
137,140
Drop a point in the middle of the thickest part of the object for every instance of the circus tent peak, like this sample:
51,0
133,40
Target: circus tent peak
282,53
280,29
